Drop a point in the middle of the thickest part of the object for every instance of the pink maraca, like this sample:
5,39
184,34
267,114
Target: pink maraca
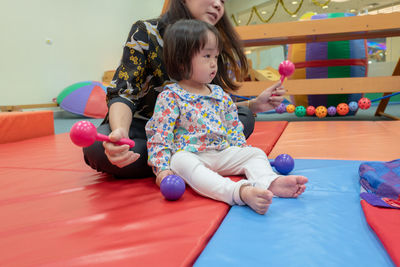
286,69
84,134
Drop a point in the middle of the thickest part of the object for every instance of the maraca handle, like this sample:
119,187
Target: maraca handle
122,141
282,78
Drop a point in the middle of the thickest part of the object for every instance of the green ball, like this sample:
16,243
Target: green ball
300,111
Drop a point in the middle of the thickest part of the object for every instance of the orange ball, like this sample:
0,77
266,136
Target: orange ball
290,108
321,112
342,109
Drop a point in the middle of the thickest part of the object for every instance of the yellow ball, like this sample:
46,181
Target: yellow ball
321,112
290,108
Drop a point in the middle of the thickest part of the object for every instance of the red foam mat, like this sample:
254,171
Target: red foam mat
77,218
266,134
386,224
56,211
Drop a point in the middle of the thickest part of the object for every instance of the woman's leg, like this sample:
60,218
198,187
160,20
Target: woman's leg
247,119
95,157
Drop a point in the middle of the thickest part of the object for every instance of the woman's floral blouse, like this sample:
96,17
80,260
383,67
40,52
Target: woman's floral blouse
141,74
191,122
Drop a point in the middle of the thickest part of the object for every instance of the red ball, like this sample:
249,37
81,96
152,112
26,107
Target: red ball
342,109
364,103
310,110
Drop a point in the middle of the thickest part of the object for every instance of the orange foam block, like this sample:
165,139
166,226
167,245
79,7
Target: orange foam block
16,126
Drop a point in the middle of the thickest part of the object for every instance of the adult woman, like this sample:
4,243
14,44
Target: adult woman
141,76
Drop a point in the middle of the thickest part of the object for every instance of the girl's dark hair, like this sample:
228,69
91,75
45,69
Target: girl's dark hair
182,41
232,57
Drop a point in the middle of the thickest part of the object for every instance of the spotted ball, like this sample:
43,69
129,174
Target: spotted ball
364,103
310,110
331,111
300,111
353,106
342,109
321,112
281,108
290,108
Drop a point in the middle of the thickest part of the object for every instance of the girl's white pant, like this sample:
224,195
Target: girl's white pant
204,171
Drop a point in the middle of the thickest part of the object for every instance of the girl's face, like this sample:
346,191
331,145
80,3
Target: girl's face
204,63
210,11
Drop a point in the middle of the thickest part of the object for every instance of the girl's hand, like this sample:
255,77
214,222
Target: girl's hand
161,175
119,155
269,99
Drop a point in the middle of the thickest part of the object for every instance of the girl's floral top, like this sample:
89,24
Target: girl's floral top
191,122
141,74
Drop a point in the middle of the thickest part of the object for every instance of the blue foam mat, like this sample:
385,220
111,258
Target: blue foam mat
323,227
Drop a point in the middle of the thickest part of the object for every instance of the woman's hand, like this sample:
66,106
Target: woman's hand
119,155
161,175
269,99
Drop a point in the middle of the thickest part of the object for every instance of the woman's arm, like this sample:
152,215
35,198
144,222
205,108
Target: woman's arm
269,99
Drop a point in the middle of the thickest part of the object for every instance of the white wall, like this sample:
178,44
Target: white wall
87,39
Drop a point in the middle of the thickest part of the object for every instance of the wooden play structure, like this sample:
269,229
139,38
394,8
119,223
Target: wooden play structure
335,29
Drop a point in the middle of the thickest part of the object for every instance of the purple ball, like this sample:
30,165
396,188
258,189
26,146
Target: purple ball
172,187
331,111
353,106
283,163
281,108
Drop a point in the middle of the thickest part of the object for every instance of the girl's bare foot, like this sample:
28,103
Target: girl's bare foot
256,198
288,186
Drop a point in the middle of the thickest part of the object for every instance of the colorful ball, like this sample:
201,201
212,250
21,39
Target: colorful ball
331,111
364,103
310,110
281,108
300,111
290,108
353,106
321,112
172,187
342,109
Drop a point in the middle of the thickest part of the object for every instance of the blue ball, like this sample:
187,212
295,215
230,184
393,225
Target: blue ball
172,187
353,106
283,163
